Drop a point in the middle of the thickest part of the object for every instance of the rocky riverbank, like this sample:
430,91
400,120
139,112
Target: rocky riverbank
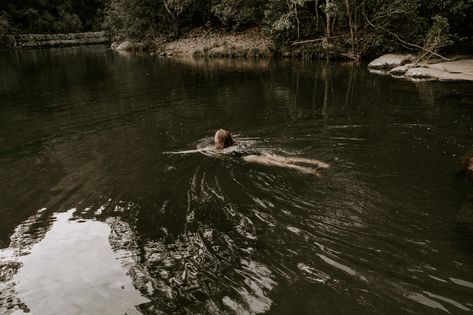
205,42
456,68
53,40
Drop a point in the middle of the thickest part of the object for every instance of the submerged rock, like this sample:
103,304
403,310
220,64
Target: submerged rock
391,61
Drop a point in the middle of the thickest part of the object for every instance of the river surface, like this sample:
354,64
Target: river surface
96,219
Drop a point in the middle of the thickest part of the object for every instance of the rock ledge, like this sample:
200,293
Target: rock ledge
401,65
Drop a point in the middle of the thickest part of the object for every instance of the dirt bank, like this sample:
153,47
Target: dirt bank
202,42
206,42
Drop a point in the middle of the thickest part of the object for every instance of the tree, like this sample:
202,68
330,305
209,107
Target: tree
134,19
328,22
53,16
437,38
175,8
238,13
4,23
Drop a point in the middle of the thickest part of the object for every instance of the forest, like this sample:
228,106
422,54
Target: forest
350,28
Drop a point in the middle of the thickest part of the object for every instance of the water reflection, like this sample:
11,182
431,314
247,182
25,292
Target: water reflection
70,269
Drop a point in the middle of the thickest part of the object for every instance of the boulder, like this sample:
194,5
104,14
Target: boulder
391,61
126,45
114,45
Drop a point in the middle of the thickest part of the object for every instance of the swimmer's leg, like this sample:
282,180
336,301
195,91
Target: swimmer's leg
262,159
293,160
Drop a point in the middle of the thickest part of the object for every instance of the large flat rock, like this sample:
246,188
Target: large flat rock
458,70
399,65
390,61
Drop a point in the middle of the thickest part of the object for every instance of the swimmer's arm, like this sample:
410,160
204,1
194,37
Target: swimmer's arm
207,149
182,152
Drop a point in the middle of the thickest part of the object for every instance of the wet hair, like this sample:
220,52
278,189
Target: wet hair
468,166
223,139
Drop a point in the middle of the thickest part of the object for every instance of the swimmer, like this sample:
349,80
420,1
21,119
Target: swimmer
223,140
224,144
467,163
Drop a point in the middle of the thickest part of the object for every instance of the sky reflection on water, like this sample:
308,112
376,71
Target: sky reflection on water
71,266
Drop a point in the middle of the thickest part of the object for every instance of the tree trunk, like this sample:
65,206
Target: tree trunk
350,25
328,22
174,19
176,28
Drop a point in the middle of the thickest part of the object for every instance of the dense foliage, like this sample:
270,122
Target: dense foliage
350,28
50,16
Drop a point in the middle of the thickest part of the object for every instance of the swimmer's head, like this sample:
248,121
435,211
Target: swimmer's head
223,139
468,166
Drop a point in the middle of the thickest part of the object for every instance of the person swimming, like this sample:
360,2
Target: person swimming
225,145
223,141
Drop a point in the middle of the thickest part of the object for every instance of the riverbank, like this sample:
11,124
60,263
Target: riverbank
454,68
53,40
206,42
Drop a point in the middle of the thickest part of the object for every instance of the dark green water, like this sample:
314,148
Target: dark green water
95,219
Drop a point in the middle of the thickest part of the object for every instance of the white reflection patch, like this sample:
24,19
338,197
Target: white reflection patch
73,270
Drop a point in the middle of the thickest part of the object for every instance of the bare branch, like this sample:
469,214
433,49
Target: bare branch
320,39
309,41
406,43
166,6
